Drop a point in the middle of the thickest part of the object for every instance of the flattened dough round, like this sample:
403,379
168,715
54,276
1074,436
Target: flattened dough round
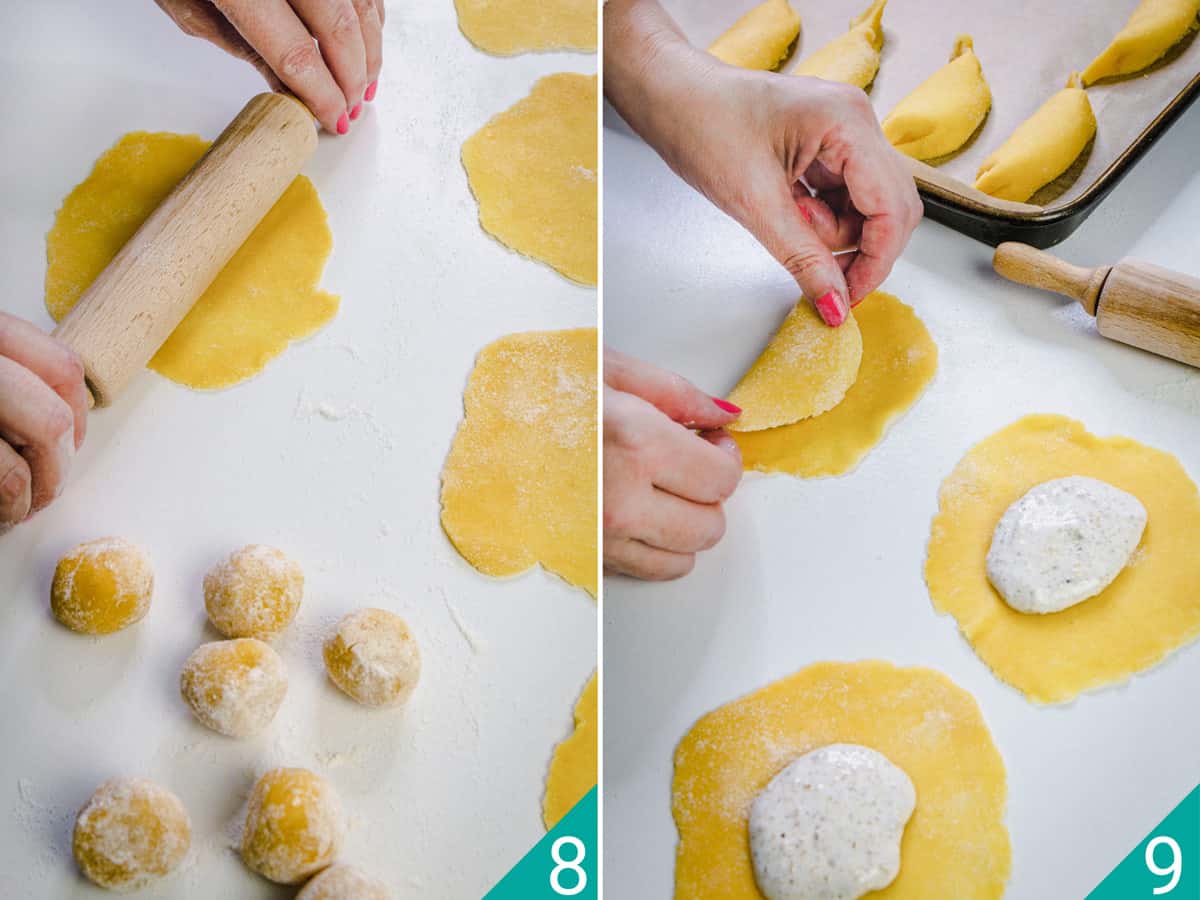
573,769
899,359
955,844
761,38
533,170
519,484
1153,606
508,27
265,297
805,370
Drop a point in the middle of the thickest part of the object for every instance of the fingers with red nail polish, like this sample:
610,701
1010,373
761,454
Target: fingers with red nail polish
371,88
343,124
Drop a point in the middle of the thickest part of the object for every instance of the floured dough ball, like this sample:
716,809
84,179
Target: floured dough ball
102,586
234,687
829,825
130,833
343,882
255,592
293,825
374,658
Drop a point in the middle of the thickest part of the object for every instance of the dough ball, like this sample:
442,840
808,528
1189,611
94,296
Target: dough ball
130,833
293,825
255,592
234,687
343,882
102,586
1063,542
829,825
374,658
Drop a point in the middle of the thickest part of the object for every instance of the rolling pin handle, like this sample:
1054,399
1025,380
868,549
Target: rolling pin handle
1035,268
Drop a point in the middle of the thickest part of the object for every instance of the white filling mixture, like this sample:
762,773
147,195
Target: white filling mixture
1063,542
828,827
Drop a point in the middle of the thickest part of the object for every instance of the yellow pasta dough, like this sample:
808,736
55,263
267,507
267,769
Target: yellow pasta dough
852,58
265,297
1151,608
1041,148
573,770
508,27
943,112
955,844
519,484
533,170
804,371
899,359
1153,29
761,38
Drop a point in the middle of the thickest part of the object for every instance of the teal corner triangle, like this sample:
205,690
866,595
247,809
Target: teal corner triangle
555,868
1173,844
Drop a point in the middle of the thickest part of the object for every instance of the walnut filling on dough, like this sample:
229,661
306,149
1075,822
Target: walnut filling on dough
1063,542
828,827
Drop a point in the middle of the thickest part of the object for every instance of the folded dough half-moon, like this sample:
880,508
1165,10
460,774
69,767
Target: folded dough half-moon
943,112
761,38
1042,147
852,58
1153,29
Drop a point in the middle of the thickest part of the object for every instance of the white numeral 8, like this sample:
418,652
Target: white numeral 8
1174,868
561,865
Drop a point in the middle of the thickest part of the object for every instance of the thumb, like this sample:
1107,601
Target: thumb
672,394
792,240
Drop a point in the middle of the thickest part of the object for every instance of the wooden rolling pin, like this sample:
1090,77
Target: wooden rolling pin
143,294
1134,302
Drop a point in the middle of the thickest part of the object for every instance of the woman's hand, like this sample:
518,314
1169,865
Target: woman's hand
43,418
755,142
326,52
663,483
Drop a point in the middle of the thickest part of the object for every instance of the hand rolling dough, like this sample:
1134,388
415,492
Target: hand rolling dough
1041,148
943,112
1152,607
265,297
852,58
573,770
519,484
761,38
1153,29
804,371
955,844
508,27
533,170
899,359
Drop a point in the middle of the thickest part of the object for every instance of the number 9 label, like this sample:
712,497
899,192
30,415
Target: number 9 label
1173,869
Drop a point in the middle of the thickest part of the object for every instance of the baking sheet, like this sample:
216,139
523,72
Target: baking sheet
1027,49
332,453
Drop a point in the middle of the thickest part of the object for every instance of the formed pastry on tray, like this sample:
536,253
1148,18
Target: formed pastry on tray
761,38
1042,147
942,113
852,58
1153,29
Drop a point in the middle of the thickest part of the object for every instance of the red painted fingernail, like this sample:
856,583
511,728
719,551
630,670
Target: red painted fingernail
806,214
832,309
354,113
727,406
370,92
343,124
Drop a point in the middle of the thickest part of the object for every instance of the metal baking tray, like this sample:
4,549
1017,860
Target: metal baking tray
1027,49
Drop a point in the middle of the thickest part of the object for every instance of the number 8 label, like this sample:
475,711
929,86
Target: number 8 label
1174,868
572,865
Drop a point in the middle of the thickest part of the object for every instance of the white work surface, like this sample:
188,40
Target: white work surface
333,454
832,569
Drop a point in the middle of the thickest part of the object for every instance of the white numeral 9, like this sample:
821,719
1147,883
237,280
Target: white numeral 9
1174,868
562,865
